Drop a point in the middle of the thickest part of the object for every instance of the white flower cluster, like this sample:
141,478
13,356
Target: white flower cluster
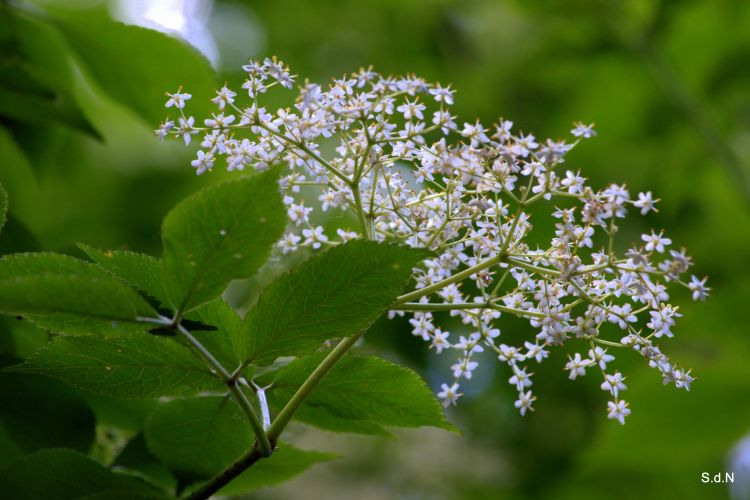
396,159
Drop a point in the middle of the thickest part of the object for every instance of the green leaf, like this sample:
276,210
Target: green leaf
137,460
36,74
221,233
3,207
285,463
136,269
103,299
22,265
65,475
198,437
41,413
219,314
129,63
136,367
338,293
68,295
360,394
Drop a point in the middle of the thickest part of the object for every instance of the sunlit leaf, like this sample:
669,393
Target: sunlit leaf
221,233
360,394
338,293
136,269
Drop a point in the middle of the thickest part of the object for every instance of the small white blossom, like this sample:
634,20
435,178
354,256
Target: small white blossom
449,394
289,242
577,366
645,202
314,237
614,384
618,410
655,242
177,99
386,153
699,288
524,402
581,130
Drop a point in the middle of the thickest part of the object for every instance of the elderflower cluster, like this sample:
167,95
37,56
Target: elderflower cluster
389,152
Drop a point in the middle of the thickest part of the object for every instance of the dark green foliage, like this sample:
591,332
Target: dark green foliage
361,394
134,367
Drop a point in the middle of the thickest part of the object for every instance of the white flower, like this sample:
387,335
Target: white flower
581,130
682,379
299,213
288,243
655,242
314,237
524,402
699,288
203,162
223,97
577,366
219,121
464,368
412,110
347,235
177,99
186,129
449,395
440,340
520,378
618,410
645,202
599,356
443,94
614,384
535,351
400,166
164,129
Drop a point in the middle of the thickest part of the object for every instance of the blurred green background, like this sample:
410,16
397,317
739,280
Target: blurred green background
667,83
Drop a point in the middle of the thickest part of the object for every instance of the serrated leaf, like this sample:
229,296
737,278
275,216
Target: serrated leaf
223,232
360,394
21,265
136,269
135,367
100,298
68,295
219,314
65,475
138,82
337,293
197,437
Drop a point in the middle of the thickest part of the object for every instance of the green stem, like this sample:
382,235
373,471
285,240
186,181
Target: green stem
226,476
263,443
294,404
435,287
418,306
286,414
265,448
533,268
204,353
